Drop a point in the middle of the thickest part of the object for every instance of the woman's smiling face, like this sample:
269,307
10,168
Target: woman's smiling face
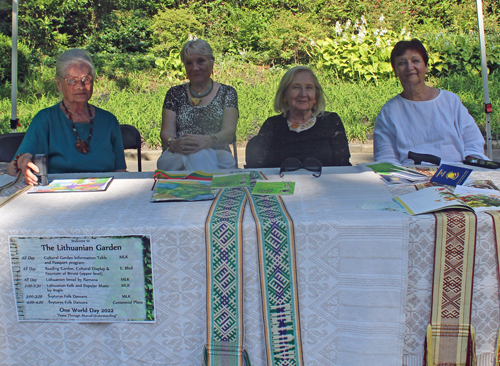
410,68
79,93
198,68
301,93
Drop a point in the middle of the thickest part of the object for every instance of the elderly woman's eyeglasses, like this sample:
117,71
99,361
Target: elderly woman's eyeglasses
292,164
86,80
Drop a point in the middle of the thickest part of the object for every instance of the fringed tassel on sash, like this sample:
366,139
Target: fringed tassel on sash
450,338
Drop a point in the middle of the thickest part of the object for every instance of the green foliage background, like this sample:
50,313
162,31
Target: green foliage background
135,46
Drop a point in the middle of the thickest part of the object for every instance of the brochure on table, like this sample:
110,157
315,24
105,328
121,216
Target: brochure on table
439,198
83,278
231,180
264,187
74,185
182,190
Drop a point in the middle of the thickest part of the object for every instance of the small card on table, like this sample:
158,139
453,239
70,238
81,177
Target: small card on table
273,188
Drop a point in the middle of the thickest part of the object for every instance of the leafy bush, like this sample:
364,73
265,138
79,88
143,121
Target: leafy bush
171,28
121,31
357,52
288,37
52,25
171,66
110,63
455,53
23,59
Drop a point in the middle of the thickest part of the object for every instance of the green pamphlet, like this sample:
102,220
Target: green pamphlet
273,188
231,180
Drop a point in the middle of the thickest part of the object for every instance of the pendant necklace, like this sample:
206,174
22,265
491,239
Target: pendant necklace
81,145
196,99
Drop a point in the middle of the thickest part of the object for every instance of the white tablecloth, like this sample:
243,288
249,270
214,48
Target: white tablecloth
362,300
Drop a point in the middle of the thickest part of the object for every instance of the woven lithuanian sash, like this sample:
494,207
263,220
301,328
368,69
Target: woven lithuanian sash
496,226
278,277
225,333
225,279
450,336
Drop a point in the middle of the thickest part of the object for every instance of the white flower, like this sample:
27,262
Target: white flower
408,34
383,31
378,42
356,25
353,37
348,24
363,20
312,42
403,31
376,31
388,42
335,43
344,37
338,29
381,19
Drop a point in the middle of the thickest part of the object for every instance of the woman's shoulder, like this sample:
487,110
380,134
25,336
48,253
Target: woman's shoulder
227,88
104,113
46,115
275,119
177,90
329,117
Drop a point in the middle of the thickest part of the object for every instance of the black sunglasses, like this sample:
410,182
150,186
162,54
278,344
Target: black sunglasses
292,164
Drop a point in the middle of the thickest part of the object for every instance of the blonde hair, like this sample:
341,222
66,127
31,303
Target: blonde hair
198,46
279,101
72,56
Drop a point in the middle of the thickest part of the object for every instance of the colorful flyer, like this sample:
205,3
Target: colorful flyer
273,188
231,180
83,278
182,190
74,185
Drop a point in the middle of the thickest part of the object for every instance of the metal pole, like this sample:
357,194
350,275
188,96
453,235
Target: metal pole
14,120
484,68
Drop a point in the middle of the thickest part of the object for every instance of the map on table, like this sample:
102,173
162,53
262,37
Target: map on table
182,190
74,185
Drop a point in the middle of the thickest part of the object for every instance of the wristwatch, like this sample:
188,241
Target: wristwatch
168,143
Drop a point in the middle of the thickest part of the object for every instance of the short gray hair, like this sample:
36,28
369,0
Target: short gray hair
198,46
279,101
72,56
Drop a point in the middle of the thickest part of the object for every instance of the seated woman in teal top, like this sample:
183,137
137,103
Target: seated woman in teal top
75,136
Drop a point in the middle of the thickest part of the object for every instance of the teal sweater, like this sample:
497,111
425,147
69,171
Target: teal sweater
51,133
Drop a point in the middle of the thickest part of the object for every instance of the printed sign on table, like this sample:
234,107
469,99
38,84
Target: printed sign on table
83,278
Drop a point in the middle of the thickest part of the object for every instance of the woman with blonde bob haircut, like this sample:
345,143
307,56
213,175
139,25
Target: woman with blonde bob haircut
199,118
303,129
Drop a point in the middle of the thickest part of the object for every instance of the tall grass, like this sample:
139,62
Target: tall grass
137,98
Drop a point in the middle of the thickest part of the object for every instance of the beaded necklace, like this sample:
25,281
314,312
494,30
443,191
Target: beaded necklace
196,99
81,145
305,126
